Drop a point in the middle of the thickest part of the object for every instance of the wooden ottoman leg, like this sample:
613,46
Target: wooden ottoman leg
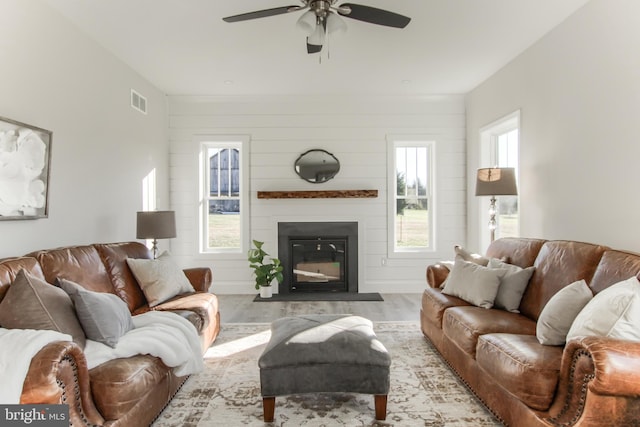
380,401
269,408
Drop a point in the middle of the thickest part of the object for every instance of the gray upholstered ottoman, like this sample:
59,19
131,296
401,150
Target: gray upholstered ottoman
324,353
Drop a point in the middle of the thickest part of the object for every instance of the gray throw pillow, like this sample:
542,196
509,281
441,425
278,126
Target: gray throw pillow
32,303
512,285
103,316
559,313
473,283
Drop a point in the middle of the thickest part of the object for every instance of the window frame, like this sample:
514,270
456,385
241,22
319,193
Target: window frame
393,142
242,143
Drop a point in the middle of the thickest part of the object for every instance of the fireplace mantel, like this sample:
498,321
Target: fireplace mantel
322,194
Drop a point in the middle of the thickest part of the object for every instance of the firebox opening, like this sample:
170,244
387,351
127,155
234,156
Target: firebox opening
319,265
318,256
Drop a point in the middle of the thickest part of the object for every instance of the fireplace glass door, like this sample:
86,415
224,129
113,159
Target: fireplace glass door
319,265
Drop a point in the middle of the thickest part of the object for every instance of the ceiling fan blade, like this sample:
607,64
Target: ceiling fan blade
313,48
263,13
374,15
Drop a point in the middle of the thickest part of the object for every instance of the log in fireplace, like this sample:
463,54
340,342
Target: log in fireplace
318,256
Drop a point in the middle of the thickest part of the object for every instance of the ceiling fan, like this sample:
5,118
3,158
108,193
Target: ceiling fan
323,17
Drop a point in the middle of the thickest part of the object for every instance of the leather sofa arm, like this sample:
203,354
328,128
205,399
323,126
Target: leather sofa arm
436,275
617,365
58,374
200,278
599,383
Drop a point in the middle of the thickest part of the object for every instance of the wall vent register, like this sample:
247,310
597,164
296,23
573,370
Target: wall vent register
138,102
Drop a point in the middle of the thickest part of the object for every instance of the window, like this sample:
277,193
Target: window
505,153
500,145
224,202
410,196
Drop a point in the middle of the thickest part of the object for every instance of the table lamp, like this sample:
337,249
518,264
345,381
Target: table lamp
156,225
495,182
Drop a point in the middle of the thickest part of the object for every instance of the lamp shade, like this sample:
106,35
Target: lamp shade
496,182
307,22
335,24
156,225
317,38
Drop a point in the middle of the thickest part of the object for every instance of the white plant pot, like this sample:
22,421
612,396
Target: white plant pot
266,291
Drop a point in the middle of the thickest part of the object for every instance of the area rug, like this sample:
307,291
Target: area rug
322,296
424,392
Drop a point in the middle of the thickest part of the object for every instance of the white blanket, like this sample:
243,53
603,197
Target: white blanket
166,335
17,348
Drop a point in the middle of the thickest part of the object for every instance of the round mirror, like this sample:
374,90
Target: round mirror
317,166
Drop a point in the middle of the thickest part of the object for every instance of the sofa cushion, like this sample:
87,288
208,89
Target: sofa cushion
32,303
434,304
512,285
614,313
473,283
558,264
81,264
463,325
114,256
10,267
104,317
615,266
119,384
521,365
558,315
515,250
160,279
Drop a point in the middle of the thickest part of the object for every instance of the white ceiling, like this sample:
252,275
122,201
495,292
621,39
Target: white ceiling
184,48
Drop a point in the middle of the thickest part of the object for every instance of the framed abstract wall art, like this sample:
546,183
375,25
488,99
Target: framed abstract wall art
25,157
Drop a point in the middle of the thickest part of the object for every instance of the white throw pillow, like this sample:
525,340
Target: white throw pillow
470,257
614,312
473,283
559,313
512,285
447,264
160,279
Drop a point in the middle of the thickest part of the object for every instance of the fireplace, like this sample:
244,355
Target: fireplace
318,256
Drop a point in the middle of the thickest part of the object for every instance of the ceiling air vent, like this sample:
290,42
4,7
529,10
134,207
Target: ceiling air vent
138,102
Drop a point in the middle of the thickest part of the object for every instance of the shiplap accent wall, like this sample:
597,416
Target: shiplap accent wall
355,130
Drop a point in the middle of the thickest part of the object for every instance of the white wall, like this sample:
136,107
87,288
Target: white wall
355,131
56,78
579,92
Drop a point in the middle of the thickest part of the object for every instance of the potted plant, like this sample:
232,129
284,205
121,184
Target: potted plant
265,267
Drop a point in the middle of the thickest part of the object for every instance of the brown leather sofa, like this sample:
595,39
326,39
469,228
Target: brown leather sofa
121,392
591,381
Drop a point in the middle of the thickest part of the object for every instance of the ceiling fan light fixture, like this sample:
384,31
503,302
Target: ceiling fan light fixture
322,18
307,22
317,38
335,24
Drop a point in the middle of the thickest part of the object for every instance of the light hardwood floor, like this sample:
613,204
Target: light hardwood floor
242,309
